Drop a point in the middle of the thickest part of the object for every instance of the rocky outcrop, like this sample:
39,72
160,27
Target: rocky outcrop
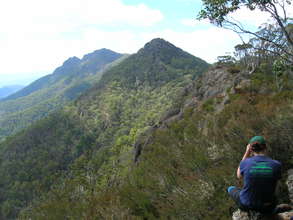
238,215
290,184
217,83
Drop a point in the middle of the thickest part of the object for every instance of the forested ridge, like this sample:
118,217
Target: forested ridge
187,156
158,134
158,137
51,92
94,136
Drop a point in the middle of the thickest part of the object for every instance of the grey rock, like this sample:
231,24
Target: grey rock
242,86
239,215
290,184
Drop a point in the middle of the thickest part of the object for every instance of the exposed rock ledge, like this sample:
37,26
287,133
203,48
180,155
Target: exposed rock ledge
238,215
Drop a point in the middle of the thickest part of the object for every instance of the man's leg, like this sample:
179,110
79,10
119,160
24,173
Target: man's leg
234,193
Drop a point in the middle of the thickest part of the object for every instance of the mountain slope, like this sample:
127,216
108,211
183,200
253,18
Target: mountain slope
96,134
8,90
50,92
158,56
187,159
73,67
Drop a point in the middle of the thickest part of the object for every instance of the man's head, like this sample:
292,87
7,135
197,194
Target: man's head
258,144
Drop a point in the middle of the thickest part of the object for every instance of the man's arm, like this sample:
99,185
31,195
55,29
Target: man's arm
245,156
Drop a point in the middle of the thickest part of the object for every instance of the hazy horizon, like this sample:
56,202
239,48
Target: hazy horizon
37,37
21,80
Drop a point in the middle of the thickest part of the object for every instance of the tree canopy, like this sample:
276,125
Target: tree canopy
275,35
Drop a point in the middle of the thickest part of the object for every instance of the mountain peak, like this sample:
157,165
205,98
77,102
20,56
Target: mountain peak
158,44
156,63
71,61
68,65
100,53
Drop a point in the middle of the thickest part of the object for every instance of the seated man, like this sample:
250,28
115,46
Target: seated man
260,174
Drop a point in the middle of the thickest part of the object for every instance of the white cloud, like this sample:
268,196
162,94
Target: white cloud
193,22
43,55
258,17
243,16
73,13
36,36
206,44
290,10
190,2
248,17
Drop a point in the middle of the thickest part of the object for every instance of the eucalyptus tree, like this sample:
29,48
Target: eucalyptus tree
275,37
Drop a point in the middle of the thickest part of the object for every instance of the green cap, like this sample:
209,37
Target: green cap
258,139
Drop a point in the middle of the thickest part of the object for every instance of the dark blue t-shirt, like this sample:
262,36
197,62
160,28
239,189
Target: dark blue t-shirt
260,175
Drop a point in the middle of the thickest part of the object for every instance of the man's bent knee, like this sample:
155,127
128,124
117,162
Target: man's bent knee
230,189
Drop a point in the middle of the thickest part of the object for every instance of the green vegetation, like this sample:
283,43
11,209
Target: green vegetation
209,105
95,134
78,163
274,37
51,92
184,172
26,160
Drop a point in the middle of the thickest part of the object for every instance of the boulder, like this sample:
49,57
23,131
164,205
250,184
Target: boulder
290,184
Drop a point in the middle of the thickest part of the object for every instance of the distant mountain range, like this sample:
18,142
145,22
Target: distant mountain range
8,90
72,70
51,92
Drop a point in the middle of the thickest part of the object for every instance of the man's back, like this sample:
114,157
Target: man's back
260,174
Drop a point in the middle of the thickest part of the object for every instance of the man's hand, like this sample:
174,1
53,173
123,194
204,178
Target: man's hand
247,152
245,156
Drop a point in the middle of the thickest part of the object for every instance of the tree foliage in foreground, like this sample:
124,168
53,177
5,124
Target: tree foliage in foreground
275,37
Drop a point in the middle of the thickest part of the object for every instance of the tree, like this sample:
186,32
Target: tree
243,52
227,59
277,36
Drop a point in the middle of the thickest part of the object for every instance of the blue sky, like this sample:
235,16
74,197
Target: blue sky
174,11
38,36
